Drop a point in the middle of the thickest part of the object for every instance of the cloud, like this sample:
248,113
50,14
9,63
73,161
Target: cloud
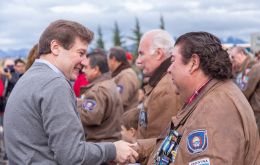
22,22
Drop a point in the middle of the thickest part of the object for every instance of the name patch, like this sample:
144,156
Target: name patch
204,161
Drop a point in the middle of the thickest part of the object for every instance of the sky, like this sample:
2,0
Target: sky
23,21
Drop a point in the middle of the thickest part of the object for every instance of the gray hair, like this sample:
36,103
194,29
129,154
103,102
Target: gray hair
161,39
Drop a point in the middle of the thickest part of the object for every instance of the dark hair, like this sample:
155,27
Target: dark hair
214,60
100,60
118,53
130,119
64,32
18,61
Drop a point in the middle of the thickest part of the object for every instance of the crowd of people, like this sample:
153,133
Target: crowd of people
196,104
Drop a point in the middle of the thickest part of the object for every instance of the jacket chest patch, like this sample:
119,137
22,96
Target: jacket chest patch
120,88
89,104
197,141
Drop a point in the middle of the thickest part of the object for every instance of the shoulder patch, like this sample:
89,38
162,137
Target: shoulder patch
204,161
89,104
197,141
120,88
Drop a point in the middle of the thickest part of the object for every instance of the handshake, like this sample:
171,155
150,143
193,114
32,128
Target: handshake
126,152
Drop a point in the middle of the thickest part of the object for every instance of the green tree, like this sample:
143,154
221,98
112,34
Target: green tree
117,38
137,34
100,41
162,24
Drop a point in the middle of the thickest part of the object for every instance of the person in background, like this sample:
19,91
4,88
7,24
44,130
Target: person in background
80,82
19,67
41,123
124,77
248,78
100,107
242,64
129,126
160,100
257,56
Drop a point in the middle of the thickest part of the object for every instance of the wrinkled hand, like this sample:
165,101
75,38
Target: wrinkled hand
125,153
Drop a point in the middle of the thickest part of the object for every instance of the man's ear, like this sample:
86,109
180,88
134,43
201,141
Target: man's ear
97,71
194,63
55,47
159,53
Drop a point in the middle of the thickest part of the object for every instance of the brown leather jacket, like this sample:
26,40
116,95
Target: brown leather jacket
100,110
221,129
252,91
160,103
127,85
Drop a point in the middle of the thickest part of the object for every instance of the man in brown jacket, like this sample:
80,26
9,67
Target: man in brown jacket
247,78
252,91
101,107
216,125
124,76
160,100
242,64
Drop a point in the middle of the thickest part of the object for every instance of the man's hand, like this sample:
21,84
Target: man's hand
125,153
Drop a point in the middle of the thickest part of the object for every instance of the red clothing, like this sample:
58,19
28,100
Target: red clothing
1,87
80,81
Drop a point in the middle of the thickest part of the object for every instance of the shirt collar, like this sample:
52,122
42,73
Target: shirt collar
53,67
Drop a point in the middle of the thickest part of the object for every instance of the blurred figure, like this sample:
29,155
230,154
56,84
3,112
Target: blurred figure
242,63
19,67
80,82
33,54
160,100
124,76
129,58
252,91
257,56
9,79
41,122
129,126
101,106
248,78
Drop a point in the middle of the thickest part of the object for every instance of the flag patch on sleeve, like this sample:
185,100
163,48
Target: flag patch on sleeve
89,104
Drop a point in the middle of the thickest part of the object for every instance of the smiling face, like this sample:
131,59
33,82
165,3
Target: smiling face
71,61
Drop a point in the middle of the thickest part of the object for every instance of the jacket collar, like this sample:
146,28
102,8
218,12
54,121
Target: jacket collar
159,72
103,77
122,66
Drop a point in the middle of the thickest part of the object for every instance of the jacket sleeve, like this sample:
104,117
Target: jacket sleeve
253,80
93,107
64,130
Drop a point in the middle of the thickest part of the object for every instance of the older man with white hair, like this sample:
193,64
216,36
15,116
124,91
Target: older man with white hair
160,102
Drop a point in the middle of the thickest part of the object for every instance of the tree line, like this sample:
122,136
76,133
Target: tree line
119,40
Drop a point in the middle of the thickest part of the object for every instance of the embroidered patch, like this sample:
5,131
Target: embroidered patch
204,161
197,141
142,116
89,104
120,88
